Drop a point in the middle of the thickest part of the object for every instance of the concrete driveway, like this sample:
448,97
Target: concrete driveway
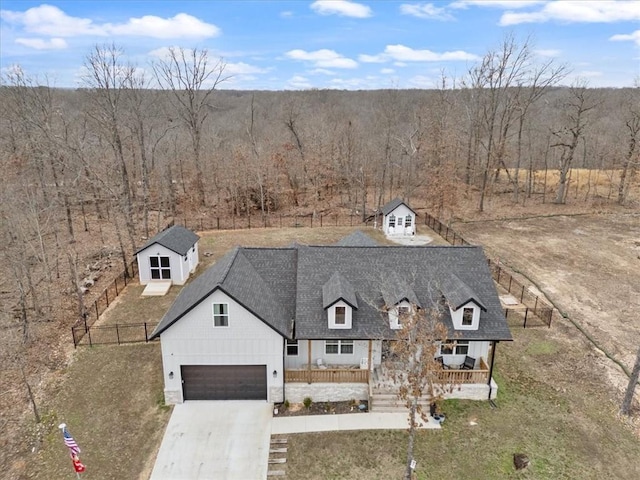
221,440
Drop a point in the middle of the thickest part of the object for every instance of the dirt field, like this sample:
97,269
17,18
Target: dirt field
588,265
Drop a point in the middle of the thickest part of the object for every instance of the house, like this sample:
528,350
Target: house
170,256
397,218
316,321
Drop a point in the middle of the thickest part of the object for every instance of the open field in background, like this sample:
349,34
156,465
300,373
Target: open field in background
588,265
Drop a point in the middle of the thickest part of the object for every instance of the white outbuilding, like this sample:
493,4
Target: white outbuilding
169,257
398,218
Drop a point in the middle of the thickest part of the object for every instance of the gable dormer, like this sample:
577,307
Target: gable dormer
339,301
399,299
464,304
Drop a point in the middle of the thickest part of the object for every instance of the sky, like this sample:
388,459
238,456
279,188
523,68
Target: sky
323,44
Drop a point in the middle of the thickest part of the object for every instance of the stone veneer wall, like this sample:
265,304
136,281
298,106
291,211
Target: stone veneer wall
475,391
172,397
326,392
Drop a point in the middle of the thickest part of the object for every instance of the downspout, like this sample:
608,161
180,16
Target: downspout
284,377
493,357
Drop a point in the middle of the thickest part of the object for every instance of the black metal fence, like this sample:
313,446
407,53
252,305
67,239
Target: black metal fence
100,304
532,303
272,221
112,334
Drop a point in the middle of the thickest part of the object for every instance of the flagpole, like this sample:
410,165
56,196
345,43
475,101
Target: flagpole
62,428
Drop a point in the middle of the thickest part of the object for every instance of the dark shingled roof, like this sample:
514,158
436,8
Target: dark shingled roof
396,289
176,238
279,285
262,285
357,239
457,293
338,288
392,205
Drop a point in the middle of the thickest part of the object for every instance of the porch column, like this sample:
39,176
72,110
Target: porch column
309,361
494,344
369,364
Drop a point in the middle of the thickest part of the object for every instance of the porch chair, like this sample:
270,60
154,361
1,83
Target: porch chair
469,363
440,360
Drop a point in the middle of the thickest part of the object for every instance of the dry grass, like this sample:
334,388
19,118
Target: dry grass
550,407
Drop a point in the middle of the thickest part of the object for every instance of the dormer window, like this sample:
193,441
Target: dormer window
339,315
467,317
398,314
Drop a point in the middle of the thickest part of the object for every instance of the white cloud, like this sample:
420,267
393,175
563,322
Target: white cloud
548,52
633,37
425,10
577,11
299,82
322,71
350,83
41,44
401,54
344,8
323,58
50,20
286,14
242,68
504,4
387,71
421,81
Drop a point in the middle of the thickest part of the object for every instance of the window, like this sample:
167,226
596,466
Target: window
392,220
220,315
338,347
407,221
292,348
341,313
467,316
459,347
403,312
160,269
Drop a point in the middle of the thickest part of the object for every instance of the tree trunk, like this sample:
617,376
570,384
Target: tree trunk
633,380
412,435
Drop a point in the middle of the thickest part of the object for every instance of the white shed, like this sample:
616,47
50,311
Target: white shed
172,255
398,218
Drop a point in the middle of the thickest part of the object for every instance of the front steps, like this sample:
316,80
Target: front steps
390,403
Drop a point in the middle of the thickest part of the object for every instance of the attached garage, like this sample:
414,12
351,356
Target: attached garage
224,382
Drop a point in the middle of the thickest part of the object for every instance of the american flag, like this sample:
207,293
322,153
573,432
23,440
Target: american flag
70,442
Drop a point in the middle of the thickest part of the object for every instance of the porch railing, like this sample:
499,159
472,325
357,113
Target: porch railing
329,375
478,375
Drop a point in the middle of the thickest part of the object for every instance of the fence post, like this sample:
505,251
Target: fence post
535,305
351,220
97,315
336,219
89,335
320,219
312,220
526,314
146,337
106,295
249,218
115,282
454,239
522,294
73,334
510,279
499,270
218,222
233,222
117,334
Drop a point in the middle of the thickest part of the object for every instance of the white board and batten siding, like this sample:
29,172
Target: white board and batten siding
193,340
401,212
476,350
180,266
360,351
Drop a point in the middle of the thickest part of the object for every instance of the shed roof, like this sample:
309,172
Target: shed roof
357,239
176,238
393,204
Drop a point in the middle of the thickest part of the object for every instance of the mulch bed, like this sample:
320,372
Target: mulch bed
321,408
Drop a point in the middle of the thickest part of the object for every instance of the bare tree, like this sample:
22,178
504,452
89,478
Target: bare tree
191,80
631,387
631,158
575,109
419,374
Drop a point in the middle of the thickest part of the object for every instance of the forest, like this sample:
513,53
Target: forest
90,173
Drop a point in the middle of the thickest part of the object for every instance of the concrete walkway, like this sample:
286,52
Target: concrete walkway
415,240
350,421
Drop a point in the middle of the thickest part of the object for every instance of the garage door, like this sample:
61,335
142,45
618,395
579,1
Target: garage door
224,382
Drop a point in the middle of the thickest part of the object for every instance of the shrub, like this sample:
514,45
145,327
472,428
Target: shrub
307,402
286,404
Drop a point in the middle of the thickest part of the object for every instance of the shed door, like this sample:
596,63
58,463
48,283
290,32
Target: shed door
224,382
